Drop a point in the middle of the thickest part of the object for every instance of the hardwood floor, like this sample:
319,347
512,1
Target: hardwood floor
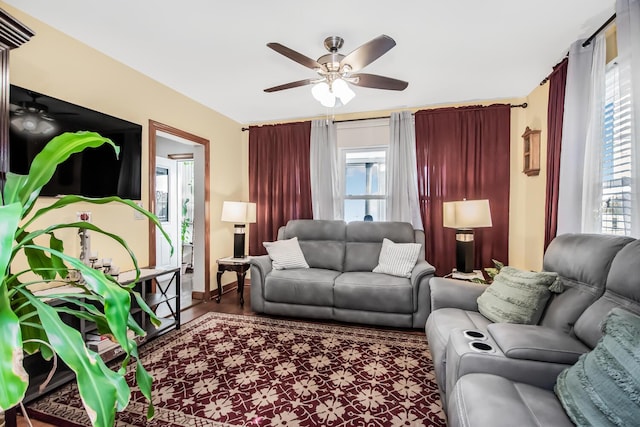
230,303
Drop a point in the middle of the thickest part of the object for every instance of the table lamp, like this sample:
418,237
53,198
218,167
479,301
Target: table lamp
464,216
239,213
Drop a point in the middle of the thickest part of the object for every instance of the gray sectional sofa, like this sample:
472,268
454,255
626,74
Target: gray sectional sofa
340,284
493,374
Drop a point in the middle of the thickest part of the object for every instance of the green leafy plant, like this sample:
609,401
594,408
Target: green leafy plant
29,324
491,272
185,225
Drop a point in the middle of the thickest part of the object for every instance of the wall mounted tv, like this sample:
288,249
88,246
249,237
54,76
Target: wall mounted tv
95,172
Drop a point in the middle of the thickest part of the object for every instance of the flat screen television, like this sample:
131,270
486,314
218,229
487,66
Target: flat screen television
95,172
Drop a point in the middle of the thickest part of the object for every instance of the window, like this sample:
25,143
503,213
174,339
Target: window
616,158
364,174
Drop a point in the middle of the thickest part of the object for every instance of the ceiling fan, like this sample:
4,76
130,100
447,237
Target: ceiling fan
32,117
335,69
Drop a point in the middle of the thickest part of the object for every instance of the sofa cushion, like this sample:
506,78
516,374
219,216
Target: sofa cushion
321,241
622,290
364,242
485,400
312,286
516,296
582,261
603,387
397,259
285,254
373,292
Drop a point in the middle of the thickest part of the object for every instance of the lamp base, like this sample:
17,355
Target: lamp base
464,250
238,241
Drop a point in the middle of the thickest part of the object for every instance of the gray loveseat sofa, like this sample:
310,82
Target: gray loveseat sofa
509,378
340,284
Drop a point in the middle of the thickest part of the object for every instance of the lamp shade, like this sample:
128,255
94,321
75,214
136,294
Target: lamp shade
466,214
239,212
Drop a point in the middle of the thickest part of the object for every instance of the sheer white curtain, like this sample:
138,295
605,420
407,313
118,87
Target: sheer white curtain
628,33
402,176
574,135
592,174
325,185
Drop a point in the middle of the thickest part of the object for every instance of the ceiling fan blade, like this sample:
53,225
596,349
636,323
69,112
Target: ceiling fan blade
295,56
379,82
368,52
290,85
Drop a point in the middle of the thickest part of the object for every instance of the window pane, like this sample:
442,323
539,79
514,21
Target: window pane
355,179
356,209
365,172
616,156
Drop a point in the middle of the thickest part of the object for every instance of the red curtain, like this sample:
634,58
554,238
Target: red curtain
279,181
464,153
555,113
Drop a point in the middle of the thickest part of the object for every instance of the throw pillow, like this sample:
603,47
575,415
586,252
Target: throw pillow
603,387
397,259
286,254
516,296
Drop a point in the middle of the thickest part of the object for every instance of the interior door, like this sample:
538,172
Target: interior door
167,201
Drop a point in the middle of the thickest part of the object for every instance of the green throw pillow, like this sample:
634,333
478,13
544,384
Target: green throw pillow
603,387
516,296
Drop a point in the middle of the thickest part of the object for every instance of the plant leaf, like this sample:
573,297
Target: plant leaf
56,151
26,312
12,187
13,377
101,389
145,382
68,200
117,301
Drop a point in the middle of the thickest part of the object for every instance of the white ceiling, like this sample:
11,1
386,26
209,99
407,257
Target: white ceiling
215,52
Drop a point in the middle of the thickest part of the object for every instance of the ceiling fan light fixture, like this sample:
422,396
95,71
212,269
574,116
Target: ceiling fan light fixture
342,90
322,93
32,125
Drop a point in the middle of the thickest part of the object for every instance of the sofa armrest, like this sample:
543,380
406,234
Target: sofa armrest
452,293
262,264
420,270
420,277
260,267
539,343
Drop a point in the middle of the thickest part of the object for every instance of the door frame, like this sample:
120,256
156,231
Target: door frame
154,128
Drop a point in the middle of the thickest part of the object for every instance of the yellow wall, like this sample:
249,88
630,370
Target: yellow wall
527,193
55,64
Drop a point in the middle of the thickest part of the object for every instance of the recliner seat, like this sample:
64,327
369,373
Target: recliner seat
582,261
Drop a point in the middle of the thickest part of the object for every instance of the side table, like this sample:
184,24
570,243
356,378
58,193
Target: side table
240,266
476,274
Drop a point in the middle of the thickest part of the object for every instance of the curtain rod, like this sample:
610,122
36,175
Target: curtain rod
598,31
523,105
586,43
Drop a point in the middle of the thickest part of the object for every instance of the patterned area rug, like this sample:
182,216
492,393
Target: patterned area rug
231,370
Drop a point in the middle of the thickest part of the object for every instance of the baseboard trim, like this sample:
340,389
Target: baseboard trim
231,286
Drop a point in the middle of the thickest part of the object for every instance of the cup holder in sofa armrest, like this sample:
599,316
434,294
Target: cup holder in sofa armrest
473,334
534,342
481,347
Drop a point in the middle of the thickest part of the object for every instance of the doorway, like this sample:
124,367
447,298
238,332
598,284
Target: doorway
164,141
